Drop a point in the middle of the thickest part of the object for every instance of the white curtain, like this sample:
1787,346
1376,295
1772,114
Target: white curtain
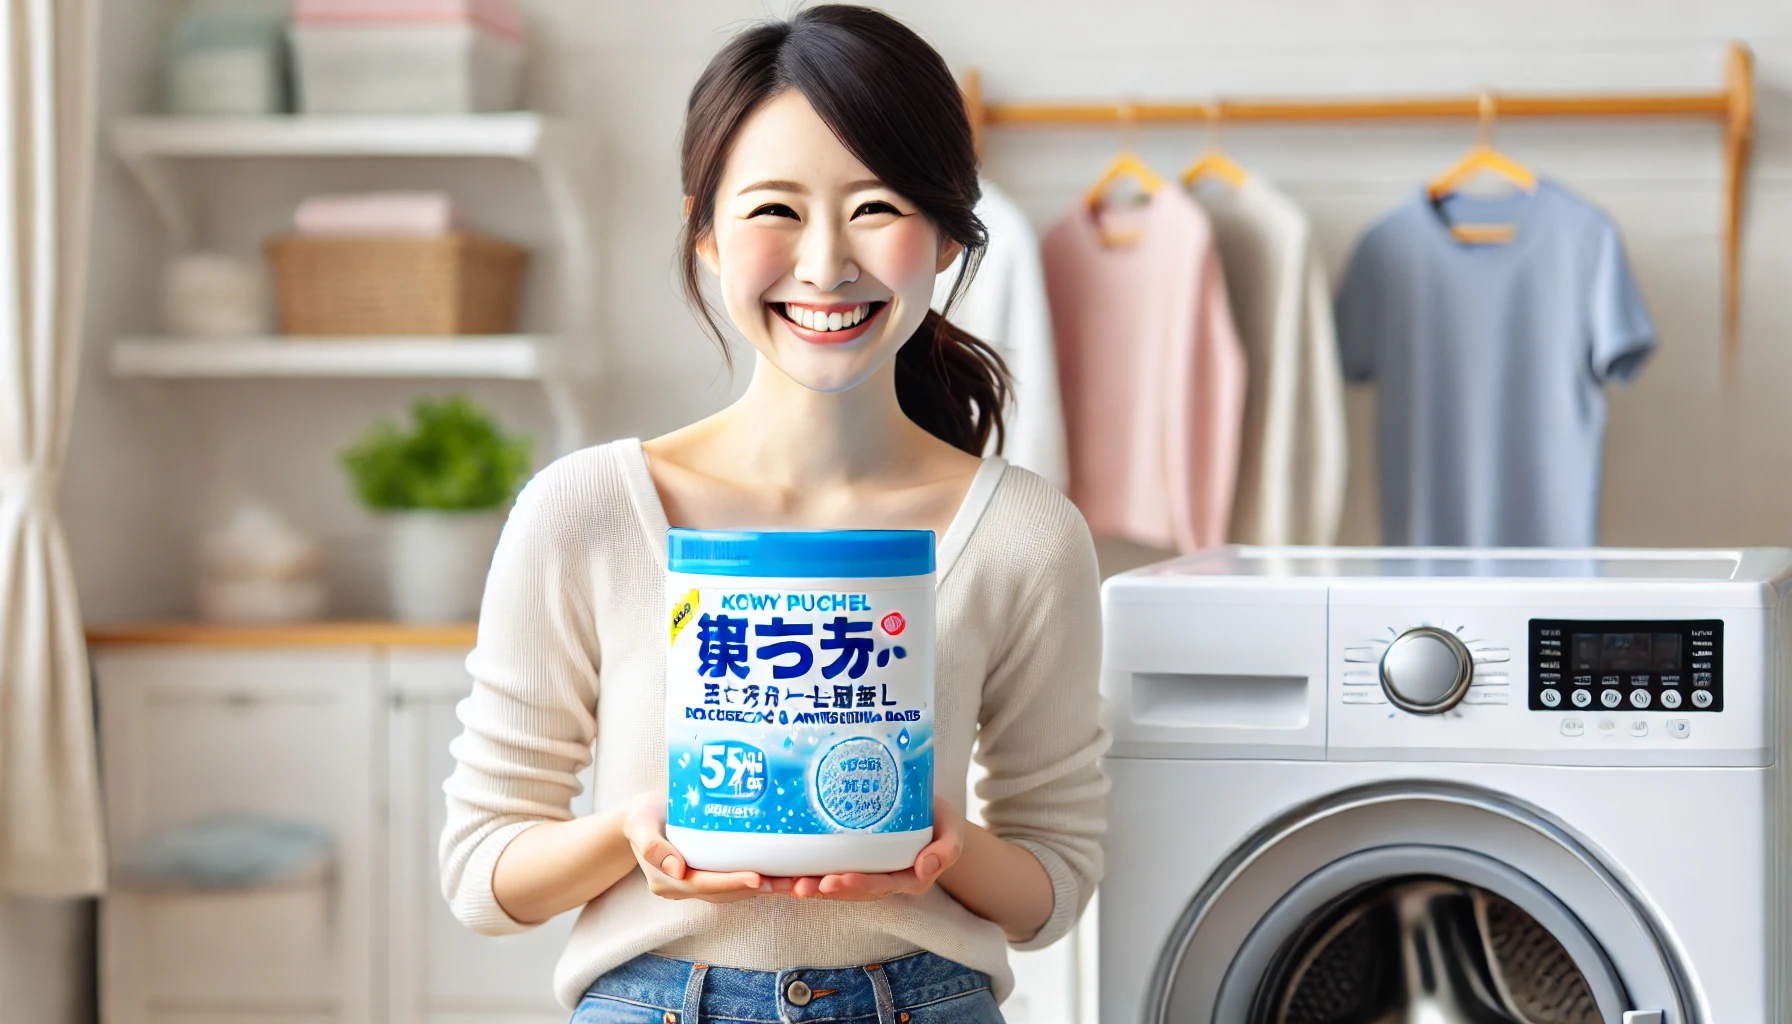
50,834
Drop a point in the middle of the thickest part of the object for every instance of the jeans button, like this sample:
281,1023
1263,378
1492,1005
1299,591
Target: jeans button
798,993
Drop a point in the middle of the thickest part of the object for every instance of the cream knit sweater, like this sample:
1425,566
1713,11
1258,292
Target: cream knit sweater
571,657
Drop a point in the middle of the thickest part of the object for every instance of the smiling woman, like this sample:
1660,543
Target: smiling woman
830,180
892,188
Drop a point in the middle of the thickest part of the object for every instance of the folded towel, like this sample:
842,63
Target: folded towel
229,851
499,16
408,214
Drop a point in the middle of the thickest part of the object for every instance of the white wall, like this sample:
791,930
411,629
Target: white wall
1688,462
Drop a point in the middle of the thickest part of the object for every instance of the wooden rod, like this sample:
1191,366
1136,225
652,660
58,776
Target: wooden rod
1739,132
1709,105
974,108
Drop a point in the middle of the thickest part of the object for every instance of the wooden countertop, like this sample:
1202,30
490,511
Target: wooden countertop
349,633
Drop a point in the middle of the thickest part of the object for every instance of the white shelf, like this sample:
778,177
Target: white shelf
155,149
502,357
518,136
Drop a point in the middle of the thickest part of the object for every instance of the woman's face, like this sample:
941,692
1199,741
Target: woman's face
824,269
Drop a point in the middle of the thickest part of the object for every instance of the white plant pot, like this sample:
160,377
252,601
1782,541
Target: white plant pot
438,561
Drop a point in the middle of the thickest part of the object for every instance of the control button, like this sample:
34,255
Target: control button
1670,699
1362,654
1607,727
1426,670
1550,698
1490,695
1679,728
1639,698
1583,680
1639,728
1487,654
1582,698
1701,698
1573,727
1364,697
1611,698
1701,679
1492,679
1359,677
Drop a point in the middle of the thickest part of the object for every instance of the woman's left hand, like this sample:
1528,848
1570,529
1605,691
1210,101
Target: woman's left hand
933,860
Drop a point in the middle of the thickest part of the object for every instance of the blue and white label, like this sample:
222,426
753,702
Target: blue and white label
799,711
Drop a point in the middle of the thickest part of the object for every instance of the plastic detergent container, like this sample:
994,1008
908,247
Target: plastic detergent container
799,699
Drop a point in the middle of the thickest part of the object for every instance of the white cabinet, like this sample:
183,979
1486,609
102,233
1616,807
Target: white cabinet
442,973
187,734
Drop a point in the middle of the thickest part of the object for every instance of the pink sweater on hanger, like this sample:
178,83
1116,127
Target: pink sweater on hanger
1152,371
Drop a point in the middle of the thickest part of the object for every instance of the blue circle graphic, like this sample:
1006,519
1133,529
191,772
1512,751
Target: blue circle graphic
855,782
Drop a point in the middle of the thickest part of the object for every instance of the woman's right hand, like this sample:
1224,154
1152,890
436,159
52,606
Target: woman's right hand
667,874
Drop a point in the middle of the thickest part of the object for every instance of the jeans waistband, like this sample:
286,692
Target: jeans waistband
831,993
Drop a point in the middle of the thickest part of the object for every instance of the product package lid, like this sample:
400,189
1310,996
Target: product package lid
817,554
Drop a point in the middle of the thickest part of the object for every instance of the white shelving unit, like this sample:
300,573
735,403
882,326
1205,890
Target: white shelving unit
502,357
153,148
518,136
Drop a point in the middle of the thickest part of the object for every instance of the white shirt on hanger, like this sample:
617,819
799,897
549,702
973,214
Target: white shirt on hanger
1006,306
1291,472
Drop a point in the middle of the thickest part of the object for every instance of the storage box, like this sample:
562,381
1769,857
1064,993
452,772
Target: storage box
498,15
456,284
423,68
225,65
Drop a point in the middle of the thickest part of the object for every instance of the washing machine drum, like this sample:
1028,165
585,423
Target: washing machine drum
1401,904
1430,949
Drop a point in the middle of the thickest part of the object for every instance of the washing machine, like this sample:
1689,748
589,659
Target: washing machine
1444,786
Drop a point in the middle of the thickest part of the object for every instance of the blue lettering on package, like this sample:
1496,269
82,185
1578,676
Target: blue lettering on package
801,713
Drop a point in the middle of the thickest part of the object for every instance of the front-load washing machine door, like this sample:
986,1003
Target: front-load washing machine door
1410,903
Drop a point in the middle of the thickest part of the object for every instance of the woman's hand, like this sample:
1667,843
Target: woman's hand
667,874
933,860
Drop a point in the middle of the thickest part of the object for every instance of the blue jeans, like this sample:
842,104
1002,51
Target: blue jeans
919,988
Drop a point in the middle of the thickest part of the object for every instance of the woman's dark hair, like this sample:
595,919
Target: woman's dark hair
892,102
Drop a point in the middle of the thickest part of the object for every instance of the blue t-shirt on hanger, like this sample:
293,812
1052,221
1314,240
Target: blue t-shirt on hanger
1490,362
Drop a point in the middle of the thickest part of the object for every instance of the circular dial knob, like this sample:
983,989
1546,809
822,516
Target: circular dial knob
1426,670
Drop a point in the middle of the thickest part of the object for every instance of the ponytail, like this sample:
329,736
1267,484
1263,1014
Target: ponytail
952,385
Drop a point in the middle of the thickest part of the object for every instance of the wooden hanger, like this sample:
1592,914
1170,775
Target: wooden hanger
1214,163
1125,164
1483,159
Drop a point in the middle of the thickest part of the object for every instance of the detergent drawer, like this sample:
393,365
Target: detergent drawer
1196,671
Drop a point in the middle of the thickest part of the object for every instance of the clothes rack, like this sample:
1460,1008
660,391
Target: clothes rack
1733,106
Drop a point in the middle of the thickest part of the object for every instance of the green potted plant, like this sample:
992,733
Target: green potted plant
442,486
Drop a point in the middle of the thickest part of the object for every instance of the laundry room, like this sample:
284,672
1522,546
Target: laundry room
1399,640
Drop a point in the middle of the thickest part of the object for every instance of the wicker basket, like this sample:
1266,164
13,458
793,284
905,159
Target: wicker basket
454,284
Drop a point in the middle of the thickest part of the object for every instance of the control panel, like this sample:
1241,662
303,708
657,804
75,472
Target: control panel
1627,665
